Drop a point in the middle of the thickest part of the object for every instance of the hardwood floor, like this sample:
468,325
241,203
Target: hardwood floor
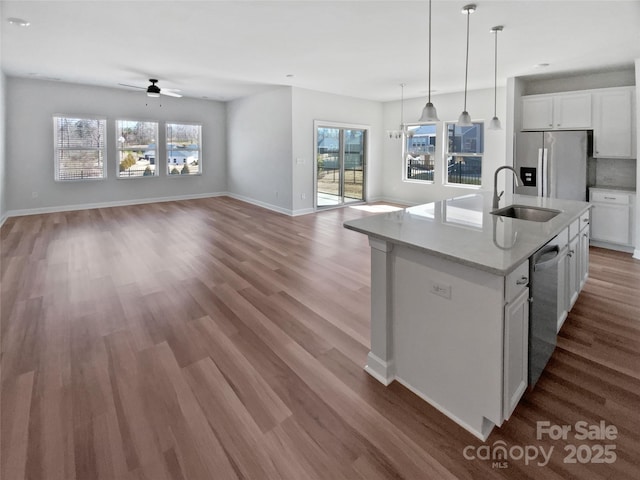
212,339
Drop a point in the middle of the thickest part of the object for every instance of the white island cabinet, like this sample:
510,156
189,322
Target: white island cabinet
450,302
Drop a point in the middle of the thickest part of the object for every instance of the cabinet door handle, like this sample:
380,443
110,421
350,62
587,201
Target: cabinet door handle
585,235
522,281
571,252
610,198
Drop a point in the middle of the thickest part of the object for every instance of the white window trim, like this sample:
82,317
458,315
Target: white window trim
56,167
446,155
118,149
200,150
405,177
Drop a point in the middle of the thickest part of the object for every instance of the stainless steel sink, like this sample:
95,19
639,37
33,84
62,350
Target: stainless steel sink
525,212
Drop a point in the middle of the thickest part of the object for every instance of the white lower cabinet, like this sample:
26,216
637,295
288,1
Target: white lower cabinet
612,217
516,351
583,249
563,279
516,338
573,272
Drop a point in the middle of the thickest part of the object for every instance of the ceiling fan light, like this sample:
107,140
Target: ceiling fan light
429,113
153,94
494,124
464,120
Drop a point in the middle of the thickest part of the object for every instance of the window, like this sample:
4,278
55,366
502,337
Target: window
183,149
136,145
465,146
419,152
80,148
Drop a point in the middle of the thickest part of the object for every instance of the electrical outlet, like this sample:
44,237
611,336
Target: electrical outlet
276,193
303,196
300,161
34,194
441,290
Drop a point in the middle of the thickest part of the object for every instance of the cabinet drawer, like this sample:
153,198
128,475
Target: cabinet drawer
574,228
584,219
516,281
562,238
610,197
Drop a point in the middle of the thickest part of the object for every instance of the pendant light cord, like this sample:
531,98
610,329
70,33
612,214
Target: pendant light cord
495,77
466,70
402,106
429,99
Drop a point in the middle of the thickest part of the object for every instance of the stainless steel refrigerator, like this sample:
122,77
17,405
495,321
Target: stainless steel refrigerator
553,164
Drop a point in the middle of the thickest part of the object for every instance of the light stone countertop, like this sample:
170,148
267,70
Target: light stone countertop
462,229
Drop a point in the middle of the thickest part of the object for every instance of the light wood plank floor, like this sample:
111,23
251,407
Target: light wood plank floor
212,339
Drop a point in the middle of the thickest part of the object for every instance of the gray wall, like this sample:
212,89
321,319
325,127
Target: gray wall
3,163
30,107
583,81
636,253
259,149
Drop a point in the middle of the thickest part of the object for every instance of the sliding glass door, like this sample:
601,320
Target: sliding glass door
340,165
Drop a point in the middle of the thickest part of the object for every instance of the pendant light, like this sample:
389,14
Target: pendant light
403,130
429,113
494,124
465,119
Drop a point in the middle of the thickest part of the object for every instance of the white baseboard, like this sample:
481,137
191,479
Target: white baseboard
259,203
613,246
124,203
481,427
636,254
303,211
382,371
118,203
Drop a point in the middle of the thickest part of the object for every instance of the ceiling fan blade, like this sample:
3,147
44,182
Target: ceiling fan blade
132,86
169,93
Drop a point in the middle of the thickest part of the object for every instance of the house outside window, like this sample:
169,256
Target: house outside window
465,148
80,148
184,149
136,145
419,148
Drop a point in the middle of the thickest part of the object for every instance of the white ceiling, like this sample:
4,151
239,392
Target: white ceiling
228,49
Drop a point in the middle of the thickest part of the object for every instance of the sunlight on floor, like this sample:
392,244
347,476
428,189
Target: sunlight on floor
376,208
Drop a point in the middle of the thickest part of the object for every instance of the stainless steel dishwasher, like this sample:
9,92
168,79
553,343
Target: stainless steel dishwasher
543,275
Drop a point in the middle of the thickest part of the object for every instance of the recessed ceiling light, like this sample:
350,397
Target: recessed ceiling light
290,75
541,65
18,22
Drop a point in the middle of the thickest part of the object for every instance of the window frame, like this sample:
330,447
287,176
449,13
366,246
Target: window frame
448,153
118,148
405,153
167,151
102,150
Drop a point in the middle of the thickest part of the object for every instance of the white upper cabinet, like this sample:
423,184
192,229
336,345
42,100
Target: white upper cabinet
572,110
613,123
556,111
537,112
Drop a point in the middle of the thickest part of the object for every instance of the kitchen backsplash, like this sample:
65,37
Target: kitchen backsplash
612,172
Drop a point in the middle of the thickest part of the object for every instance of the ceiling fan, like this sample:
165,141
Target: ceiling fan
154,90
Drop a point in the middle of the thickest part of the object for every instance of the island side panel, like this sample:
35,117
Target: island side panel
380,358
447,332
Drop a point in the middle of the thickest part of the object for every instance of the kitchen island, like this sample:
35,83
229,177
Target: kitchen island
450,301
